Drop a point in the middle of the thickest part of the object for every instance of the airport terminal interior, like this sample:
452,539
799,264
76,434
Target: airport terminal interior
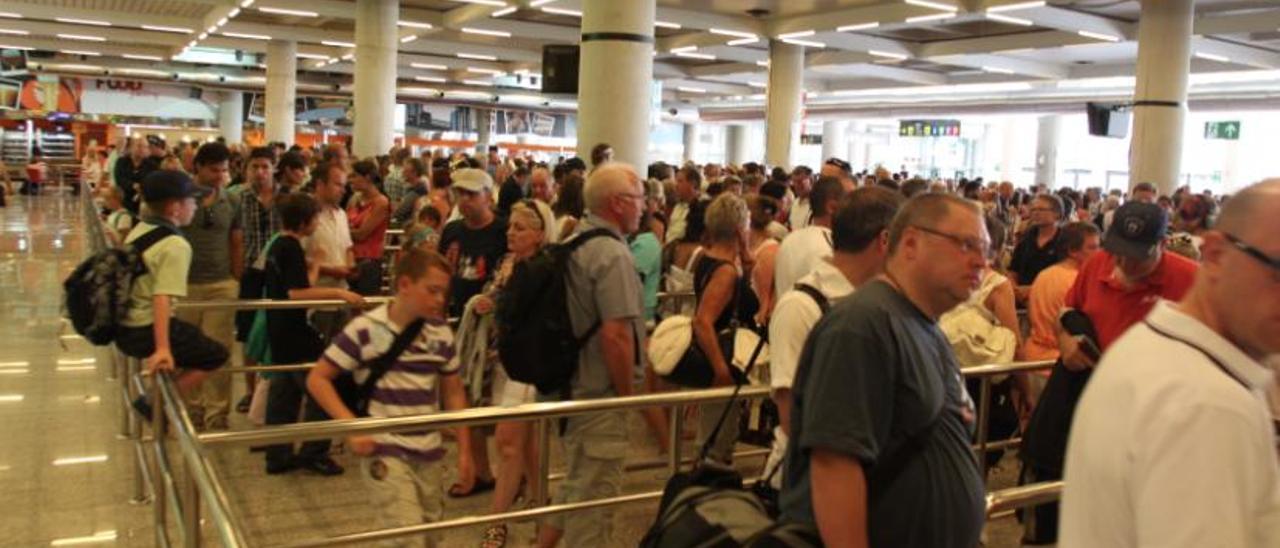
310,165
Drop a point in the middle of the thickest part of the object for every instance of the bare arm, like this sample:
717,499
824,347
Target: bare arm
320,386
381,209
1000,303
715,297
324,293
618,345
455,399
839,499
162,358
782,399
237,253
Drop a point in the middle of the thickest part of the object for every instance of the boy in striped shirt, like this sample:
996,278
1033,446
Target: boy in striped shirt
404,470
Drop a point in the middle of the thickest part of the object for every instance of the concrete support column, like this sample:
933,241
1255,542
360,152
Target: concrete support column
375,79
484,130
835,140
1047,133
615,78
231,116
691,152
1160,98
783,103
857,146
282,90
735,144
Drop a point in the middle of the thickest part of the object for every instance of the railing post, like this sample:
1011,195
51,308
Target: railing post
190,509
675,433
127,419
984,417
541,484
132,366
158,481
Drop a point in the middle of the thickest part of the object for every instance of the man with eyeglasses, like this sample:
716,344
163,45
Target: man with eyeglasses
879,452
1114,290
1038,248
1173,444
217,262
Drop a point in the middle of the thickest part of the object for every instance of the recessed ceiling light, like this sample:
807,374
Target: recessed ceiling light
486,32
1099,36
1213,57
798,34
667,25
764,63
14,32
96,538
433,79
997,70
234,12
688,89
414,24
10,15
859,26
477,57
408,38
246,3
563,11
1010,20
337,44
82,37
202,36
742,41
934,5
805,43
283,11
246,35
684,49
933,17
758,84
504,11
74,21
691,55
537,3
477,83
143,57
11,398
80,460
887,54
312,56
1018,6
735,33
159,28
428,66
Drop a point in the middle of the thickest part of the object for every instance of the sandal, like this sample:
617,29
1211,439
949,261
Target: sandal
456,490
494,537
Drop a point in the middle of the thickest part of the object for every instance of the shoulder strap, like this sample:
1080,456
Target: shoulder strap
145,241
574,243
823,303
693,258
380,365
1221,366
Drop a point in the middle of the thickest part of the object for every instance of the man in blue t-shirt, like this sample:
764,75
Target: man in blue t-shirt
879,452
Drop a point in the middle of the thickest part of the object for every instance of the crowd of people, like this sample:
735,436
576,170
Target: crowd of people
874,289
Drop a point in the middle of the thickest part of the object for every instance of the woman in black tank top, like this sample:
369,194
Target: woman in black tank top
720,287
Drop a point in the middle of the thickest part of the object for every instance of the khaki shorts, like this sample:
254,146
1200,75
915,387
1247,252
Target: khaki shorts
595,449
404,492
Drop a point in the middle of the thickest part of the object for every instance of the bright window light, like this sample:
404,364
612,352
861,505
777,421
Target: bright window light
91,459
282,11
93,22
96,538
11,398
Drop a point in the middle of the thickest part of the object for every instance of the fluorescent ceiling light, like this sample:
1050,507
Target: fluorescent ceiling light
4,365
428,66
1213,57
934,17
80,460
246,35
234,12
934,5
691,55
497,3
10,15
1010,20
491,72
798,34
82,37
433,79
504,11
312,56
478,83
742,41
687,89
96,538
736,33
159,28
282,11
73,21
222,21
764,63
487,32
537,3
476,56
888,54
414,24
1099,36
805,43
667,25
81,52
246,3
337,44
563,11
320,64
1108,82
143,57
408,38
758,84
348,57
11,398
997,70
202,36
1017,6
14,32
684,49
859,26
1002,87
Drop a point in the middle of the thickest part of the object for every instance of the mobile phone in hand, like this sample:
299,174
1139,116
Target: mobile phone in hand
1089,348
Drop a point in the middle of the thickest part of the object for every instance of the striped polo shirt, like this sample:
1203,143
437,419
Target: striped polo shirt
410,387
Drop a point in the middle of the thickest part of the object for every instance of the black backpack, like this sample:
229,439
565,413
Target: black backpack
97,291
536,342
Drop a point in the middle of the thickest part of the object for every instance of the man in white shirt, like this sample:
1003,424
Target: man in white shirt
860,235
803,249
801,183
330,246
1172,443
688,187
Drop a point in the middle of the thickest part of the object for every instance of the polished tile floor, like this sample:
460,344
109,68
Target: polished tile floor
65,476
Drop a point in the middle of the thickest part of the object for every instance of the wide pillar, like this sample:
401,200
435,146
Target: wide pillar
735,144
1048,129
691,152
375,79
231,116
282,90
783,103
484,130
835,140
615,78
1160,97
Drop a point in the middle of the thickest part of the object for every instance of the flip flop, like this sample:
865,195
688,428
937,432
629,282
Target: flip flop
480,486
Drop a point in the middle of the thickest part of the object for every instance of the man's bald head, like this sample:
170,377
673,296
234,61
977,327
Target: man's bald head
1244,214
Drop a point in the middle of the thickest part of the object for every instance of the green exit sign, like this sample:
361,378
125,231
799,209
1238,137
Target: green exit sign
1222,130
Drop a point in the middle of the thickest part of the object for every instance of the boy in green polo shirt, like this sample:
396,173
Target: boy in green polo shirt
149,331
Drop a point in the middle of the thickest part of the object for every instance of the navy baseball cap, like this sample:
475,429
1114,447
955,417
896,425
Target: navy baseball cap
1136,230
168,184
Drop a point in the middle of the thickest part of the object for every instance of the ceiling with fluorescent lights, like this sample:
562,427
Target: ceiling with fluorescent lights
705,52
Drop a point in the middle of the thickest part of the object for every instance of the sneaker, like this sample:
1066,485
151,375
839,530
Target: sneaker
323,466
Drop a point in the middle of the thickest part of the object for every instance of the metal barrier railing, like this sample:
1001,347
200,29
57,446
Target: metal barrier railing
1005,502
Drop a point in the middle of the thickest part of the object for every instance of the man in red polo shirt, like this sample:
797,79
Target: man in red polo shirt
1115,289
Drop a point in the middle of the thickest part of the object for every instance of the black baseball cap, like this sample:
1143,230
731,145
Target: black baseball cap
168,184
1136,230
155,140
